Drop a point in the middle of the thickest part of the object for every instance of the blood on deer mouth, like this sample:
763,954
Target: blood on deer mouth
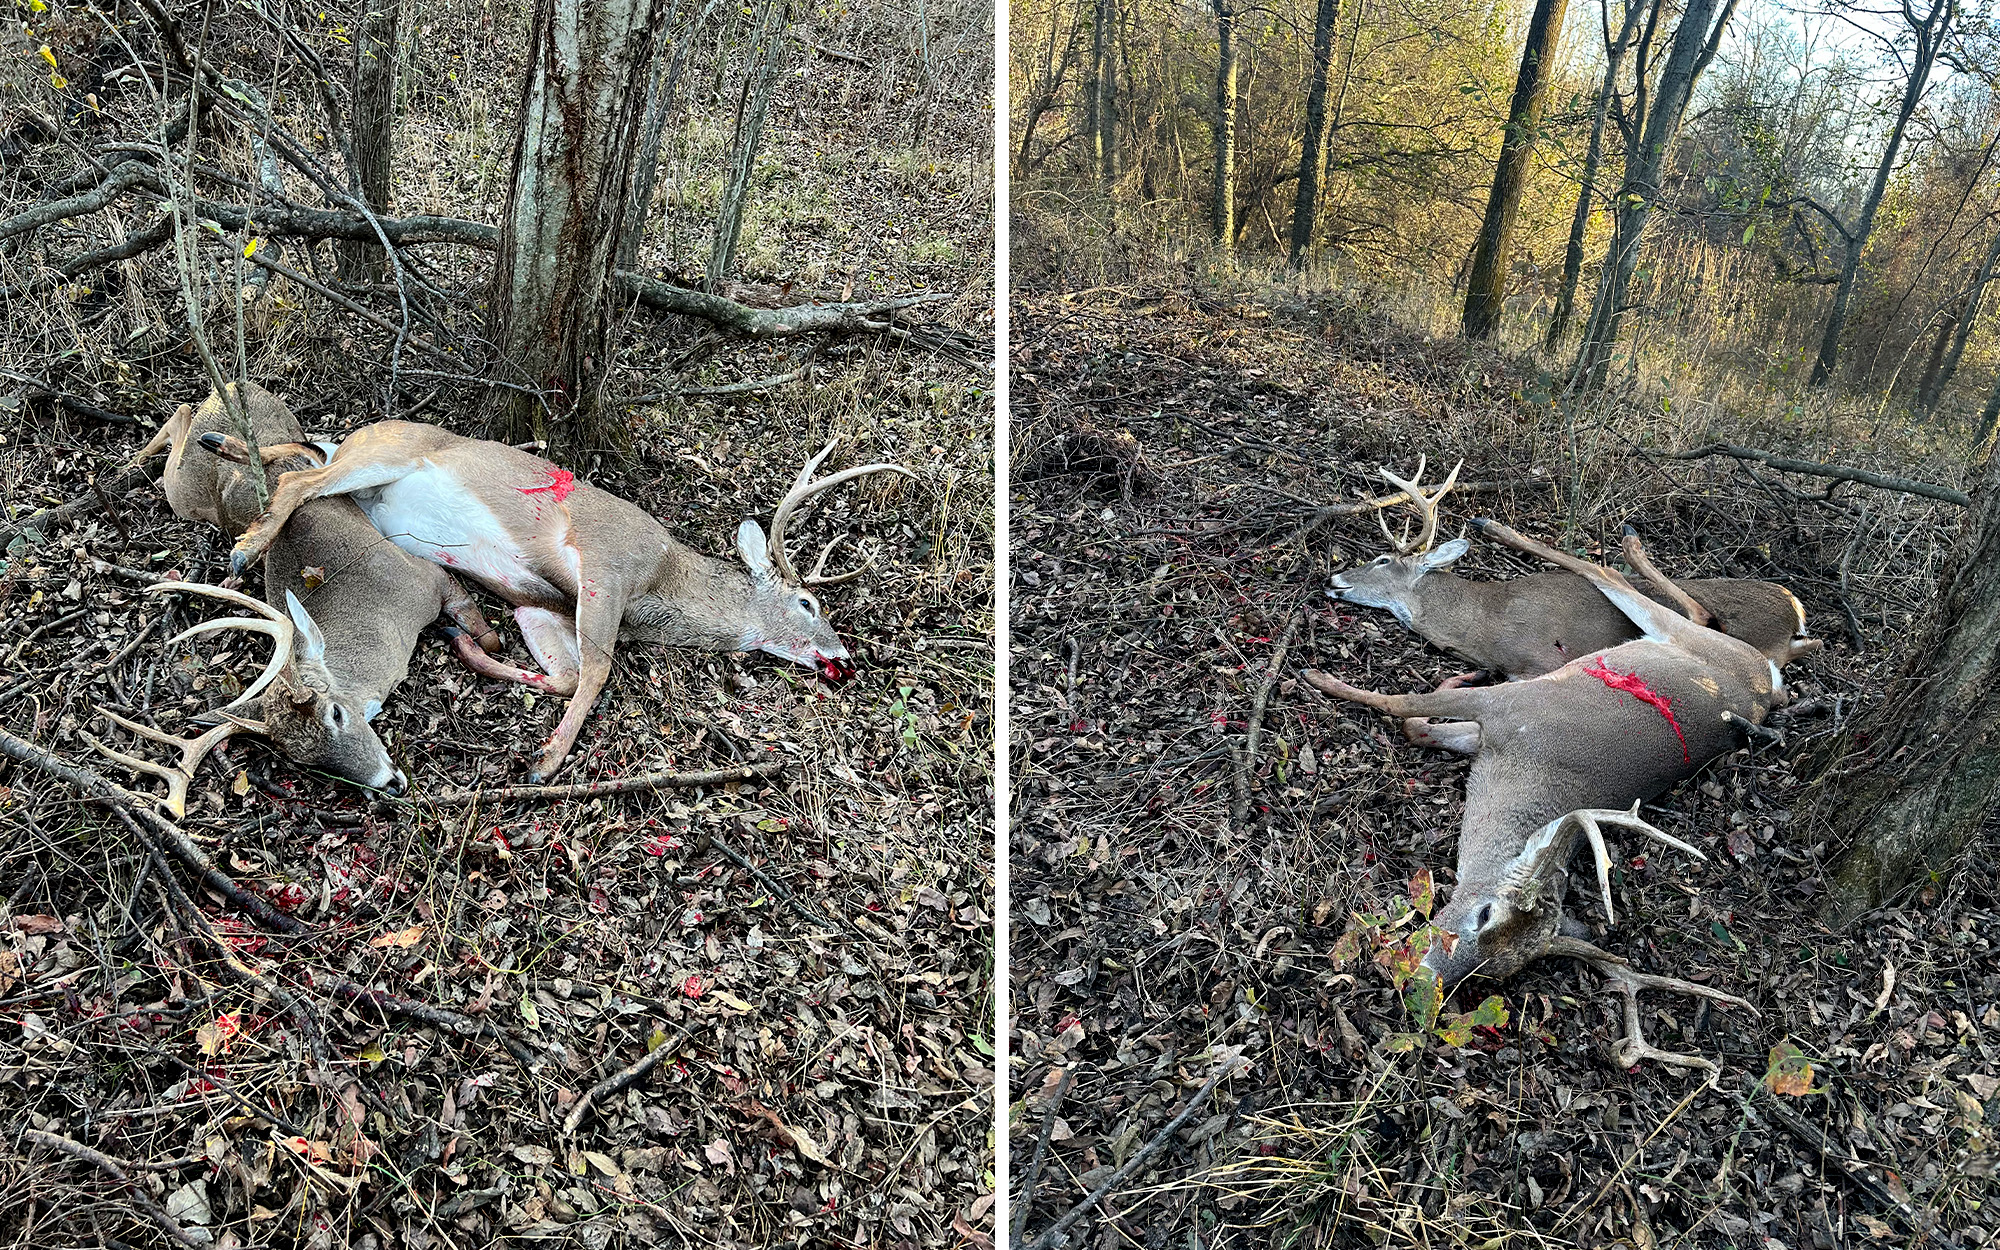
833,668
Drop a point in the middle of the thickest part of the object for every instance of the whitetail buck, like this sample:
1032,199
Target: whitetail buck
1539,622
1552,755
354,603
583,567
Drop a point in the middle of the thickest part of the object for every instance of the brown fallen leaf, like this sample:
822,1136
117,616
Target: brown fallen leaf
32,925
402,938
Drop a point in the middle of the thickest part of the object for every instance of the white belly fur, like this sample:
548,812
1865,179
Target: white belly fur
430,515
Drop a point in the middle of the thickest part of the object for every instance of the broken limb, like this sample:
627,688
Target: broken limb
1837,472
619,1080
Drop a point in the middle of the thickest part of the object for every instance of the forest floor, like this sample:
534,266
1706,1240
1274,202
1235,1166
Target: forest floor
808,957
1169,450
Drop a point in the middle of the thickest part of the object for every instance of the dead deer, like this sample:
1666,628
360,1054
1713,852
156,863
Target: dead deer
199,487
583,567
1537,623
1558,754
357,602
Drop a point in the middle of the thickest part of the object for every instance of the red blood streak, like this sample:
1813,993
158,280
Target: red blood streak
561,482
1634,685
835,669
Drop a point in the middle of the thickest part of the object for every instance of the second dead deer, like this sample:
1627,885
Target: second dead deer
583,567
1536,623
1556,756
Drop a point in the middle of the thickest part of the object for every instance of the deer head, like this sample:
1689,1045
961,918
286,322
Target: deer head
302,710
784,616
1389,580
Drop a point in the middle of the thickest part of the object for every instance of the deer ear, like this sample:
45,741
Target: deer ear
1444,555
756,552
312,648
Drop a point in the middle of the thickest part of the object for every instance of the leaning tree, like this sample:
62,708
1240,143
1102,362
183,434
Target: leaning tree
1903,791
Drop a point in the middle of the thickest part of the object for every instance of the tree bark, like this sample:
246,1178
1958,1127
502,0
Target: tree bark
1968,315
374,128
1107,90
1486,290
661,82
1222,211
759,77
1579,225
1907,786
581,107
1693,47
1093,91
1930,33
1305,205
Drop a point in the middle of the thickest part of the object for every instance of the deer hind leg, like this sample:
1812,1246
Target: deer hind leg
1458,737
1656,622
295,490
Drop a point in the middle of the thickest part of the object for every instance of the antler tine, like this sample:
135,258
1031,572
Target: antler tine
805,489
193,751
1431,508
1414,489
276,624
816,578
801,486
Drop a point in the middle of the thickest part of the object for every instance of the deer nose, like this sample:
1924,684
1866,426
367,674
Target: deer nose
396,784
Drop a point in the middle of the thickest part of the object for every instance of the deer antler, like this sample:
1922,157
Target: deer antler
804,488
275,623
1426,506
178,778
1548,848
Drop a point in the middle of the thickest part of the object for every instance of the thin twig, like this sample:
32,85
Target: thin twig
112,1168
1029,1179
619,1080
593,789
1132,1164
1246,761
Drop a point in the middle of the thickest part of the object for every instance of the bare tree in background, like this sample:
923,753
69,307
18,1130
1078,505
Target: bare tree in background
1486,291
1593,157
374,128
1930,31
1656,121
1222,213
1305,206
581,109
760,75
1943,365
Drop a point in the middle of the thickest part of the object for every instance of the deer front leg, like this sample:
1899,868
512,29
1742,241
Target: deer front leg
597,619
1652,619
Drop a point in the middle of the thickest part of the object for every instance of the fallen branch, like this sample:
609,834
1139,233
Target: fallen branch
1026,1203
592,789
619,1080
1834,472
150,827
1145,1152
41,522
868,317
425,1013
1246,762
116,1171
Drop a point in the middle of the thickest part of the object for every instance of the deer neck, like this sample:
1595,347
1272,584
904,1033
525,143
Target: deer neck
693,601
1445,608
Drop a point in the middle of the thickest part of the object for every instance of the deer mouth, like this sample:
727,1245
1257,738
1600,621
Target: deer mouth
836,668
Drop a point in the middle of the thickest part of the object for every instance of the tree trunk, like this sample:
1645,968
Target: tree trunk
1579,225
662,80
1989,418
1305,205
1692,48
1486,290
1968,315
1907,786
374,128
1107,90
1093,90
1222,212
1930,41
759,77
581,106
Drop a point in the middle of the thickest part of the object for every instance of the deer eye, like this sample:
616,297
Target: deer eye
339,717
1485,915
805,601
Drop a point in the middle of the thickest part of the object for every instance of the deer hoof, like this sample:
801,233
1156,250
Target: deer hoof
239,560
